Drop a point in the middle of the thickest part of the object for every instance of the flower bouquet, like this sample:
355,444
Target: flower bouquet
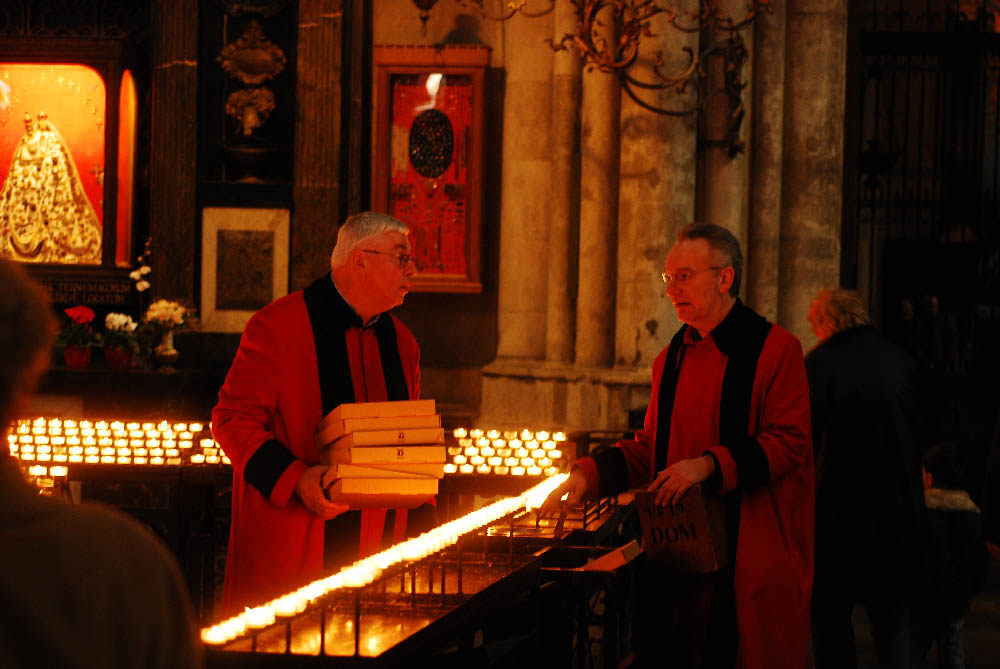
77,337
161,321
119,340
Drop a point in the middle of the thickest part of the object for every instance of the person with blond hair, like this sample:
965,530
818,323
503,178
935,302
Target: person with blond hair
869,496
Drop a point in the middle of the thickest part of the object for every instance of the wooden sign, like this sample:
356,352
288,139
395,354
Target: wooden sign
688,537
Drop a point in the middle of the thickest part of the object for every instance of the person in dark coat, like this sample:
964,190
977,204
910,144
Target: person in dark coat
869,498
81,585
957,563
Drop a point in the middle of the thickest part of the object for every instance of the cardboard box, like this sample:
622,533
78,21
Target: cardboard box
383,493
338,428
406,436
395,471
688,537
377,410
369,455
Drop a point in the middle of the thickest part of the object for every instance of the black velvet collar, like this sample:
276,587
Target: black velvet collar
337,315
731,334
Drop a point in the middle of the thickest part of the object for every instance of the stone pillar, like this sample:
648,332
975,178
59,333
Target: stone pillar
726,176
174,158
813,157
656,191
766,122
599,158
525,183
564,198
316,188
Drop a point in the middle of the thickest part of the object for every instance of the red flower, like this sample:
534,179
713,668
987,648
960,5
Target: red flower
80,315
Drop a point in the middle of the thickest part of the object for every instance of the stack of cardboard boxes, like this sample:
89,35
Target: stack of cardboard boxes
382,454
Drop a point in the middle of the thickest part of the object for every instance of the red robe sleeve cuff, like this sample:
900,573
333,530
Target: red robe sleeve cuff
727,467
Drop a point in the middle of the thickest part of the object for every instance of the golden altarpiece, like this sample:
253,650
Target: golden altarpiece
69,110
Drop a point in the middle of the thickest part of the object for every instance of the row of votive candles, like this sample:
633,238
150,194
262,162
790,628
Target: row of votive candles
523,453
115,442
364,572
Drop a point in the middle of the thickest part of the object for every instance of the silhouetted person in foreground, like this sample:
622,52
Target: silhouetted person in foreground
80,586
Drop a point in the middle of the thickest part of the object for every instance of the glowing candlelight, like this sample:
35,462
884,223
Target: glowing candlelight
476,434
460,433
257,617
450,468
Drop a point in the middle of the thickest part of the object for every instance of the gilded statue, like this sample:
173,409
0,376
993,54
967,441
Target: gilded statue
45,215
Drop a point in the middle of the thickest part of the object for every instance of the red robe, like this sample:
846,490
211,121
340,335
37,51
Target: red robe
764,456
266,421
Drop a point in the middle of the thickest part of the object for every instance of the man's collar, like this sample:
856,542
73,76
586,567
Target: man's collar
357,317
728,333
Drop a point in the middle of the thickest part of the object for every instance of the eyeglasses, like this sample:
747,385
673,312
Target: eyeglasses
402,259
685,275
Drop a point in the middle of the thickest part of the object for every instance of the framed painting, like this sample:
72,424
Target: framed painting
429,156
244,264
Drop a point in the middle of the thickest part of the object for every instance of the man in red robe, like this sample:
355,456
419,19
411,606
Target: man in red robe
299,358
730,411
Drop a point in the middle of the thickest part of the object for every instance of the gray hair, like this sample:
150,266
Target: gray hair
360,227
721,241
837,310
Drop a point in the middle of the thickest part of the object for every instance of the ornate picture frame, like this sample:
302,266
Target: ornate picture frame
244,264
429,157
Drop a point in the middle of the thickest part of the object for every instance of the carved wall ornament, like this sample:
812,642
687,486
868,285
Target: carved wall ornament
250,107
252,59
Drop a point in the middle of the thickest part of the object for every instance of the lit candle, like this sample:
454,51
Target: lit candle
460,433
541,436
260,616
475,434
450,468
559,436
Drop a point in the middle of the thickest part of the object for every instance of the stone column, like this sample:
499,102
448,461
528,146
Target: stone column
656,190
813,157
599,157
525,183
564,197
766,123
174,158
316,188
726,175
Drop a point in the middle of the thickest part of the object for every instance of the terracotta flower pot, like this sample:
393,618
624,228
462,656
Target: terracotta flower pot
118,358
77,357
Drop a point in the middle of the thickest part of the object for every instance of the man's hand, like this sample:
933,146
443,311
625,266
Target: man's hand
575,485
310,491
671,484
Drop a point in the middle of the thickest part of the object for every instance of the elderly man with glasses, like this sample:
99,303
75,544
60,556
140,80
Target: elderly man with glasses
729,411
299,358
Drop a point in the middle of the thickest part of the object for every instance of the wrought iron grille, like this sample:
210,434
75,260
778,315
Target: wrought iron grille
922,193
